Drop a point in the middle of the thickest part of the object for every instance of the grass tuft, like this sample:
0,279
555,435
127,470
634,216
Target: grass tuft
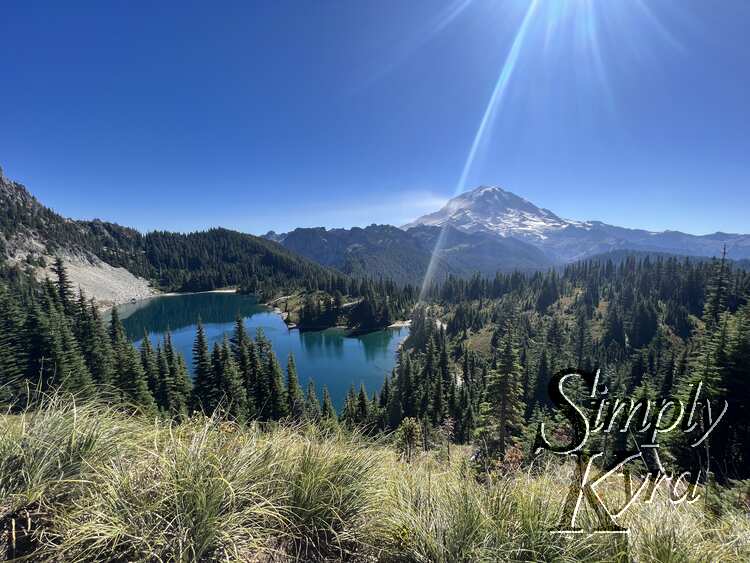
86,482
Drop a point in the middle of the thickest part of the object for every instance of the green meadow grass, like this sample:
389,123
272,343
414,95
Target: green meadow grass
86,482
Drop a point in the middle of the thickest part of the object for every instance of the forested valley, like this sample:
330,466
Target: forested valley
478,347
473,376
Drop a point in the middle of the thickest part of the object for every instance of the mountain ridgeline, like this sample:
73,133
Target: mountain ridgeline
489,230
404,256
490,209
31,234
108,452
486,230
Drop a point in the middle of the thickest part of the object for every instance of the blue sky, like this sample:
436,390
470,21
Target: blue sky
271,115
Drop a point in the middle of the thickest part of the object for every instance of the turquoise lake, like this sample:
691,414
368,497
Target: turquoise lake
329,357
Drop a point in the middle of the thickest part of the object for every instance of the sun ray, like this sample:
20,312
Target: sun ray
492,106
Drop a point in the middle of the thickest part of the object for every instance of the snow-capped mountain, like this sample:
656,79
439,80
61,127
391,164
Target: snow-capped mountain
492,209
495,210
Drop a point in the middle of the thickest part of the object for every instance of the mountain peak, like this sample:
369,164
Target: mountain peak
494,209
14,193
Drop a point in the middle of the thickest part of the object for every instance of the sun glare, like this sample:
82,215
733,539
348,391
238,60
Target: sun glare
577,25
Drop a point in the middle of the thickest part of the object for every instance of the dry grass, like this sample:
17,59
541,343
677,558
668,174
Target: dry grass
90,483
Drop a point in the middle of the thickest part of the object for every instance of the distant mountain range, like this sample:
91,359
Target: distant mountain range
490,209
485,230
404,255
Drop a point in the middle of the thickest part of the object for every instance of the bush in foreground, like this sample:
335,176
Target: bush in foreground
92,483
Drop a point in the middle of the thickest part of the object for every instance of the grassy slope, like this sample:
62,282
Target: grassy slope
88,484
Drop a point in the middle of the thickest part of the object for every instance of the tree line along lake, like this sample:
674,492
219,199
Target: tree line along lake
329,357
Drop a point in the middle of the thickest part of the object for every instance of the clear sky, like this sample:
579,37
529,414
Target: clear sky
271,115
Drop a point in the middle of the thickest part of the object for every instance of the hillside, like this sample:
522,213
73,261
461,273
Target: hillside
115,263
377,250
404,256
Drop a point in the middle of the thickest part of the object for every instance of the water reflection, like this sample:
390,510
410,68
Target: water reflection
328,342
329,356
175,312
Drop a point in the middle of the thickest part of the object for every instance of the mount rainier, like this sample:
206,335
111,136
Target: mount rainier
493,210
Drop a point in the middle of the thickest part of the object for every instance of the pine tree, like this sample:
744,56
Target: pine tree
205,391
362,416
505,396
150,366
295,397
129,377
231,386
277,400
63,286
312,405
328,412
95,345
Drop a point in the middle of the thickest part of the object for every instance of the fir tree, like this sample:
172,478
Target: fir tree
163,384
231,386
183,387
63,286
11,354
129,377
349,412
362,416
205,391
277,400
249,368
150,366
239,339
131,380
505,396
295,397
95,344
312,405
328,412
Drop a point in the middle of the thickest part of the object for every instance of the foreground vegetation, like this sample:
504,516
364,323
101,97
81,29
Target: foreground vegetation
436,466
52,338
85,482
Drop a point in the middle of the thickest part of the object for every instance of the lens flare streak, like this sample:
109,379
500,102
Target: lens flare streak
492,105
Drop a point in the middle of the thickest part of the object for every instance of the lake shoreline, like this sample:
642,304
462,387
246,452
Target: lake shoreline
286,316
333,358
168,294
273,308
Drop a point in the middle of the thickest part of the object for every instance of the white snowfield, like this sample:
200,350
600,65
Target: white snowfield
491,208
